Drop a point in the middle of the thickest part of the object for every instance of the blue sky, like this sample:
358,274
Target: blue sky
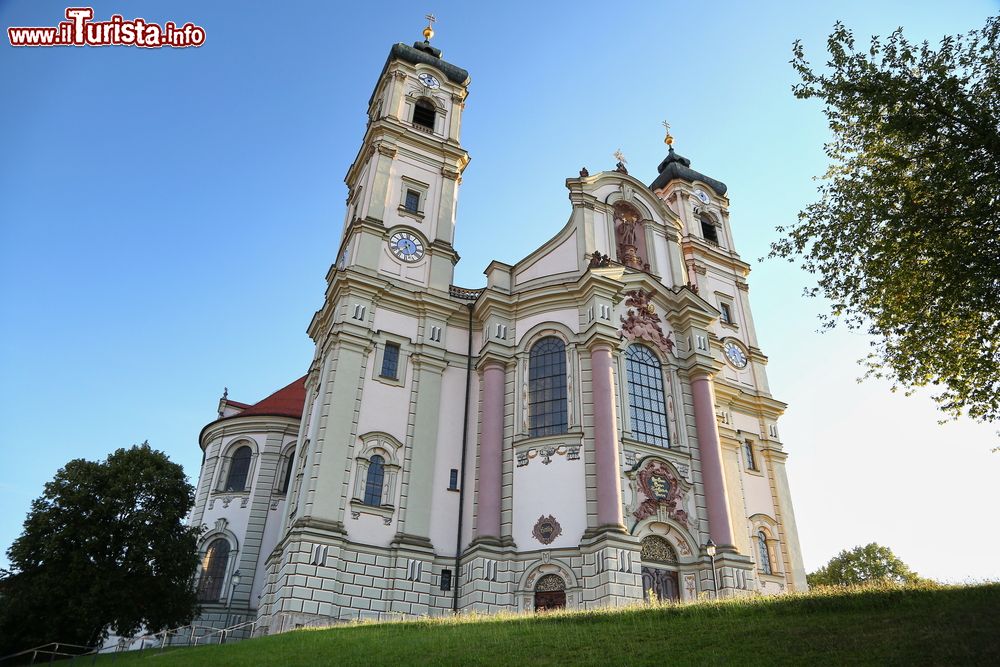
167,218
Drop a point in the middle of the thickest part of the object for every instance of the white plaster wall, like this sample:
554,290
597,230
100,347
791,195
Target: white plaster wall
757,494
385,407
569,317
557,489
604,244
456,339
416,272
748,424
395,322
559,259
444,503
272,531
405,166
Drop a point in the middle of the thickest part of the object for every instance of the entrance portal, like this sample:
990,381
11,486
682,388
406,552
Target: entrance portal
661,583
550,593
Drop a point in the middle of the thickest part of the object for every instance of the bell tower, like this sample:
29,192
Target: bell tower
403,184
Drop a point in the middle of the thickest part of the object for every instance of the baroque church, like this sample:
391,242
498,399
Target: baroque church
594,427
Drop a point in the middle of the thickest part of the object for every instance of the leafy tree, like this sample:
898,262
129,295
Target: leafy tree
905,237
103,548
870,564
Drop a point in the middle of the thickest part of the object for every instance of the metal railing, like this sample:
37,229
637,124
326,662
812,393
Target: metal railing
193,634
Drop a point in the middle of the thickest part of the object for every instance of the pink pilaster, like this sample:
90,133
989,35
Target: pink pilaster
609,487
491,451
710,450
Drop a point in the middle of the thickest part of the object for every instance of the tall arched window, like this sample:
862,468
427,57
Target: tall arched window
213,570
646,399
423,115
708,230
547,387
239,468
289,465
765,556
373,484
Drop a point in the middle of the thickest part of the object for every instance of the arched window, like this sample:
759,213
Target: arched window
373,484
547,387
423,115
748,455
765,556
289,465
213,570
708,230
239,468
647,401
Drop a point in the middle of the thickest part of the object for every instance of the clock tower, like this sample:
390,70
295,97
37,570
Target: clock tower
403,184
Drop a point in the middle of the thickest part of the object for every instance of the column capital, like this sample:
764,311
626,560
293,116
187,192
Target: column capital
601,340
489,359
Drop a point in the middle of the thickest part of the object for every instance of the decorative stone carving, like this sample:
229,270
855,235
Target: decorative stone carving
226,500
661,488
584,173
691,586
572,453
550,582
655,549
220,524
274,504
599,261
546,529
641,322
244,500
387,520
631,459
355,514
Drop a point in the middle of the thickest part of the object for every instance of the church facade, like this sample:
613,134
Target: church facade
594,427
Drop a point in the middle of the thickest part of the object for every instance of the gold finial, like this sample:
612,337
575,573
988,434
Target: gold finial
668,140
429,30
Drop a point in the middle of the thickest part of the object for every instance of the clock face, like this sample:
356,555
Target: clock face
429,80
406,246
702,197
735,354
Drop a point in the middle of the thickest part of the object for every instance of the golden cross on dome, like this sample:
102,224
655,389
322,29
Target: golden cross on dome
429,30
668,140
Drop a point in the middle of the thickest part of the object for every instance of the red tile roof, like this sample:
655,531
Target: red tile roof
286,402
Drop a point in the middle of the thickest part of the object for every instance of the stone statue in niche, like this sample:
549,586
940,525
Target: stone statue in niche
628,226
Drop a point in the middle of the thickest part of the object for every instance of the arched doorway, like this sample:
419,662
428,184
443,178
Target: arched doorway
659,570
550,593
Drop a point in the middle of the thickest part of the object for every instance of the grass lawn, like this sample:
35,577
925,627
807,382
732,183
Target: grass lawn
907,626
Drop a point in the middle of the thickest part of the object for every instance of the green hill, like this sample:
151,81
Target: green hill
911,626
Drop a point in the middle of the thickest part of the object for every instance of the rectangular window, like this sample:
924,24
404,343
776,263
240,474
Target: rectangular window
412,202
390,361
751,460
446,580
453,480
726,316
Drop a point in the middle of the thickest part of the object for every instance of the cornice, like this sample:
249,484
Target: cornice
240,425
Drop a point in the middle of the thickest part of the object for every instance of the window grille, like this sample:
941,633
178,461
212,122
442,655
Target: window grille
647,401
412,202
748,454
765,556
239,469
547,388
390,361
213,571
373,483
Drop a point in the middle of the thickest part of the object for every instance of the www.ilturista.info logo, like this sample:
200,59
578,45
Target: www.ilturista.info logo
80,30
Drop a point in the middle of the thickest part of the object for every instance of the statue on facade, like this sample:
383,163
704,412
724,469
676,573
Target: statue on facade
627,227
